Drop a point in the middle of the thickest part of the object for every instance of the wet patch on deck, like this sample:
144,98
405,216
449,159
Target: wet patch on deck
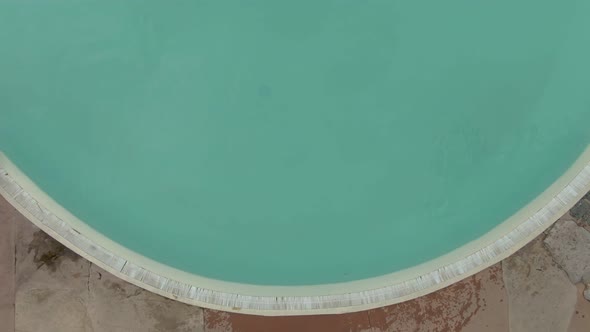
48,252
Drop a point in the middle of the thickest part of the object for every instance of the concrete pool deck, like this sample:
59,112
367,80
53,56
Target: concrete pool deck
46,287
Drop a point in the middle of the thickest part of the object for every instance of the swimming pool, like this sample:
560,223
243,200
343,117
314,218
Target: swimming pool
308,157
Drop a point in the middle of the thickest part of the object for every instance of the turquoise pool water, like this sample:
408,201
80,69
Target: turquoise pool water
296,143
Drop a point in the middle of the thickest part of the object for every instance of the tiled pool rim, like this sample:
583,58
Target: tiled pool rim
359,295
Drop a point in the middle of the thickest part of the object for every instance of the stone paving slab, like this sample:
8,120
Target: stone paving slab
541,297
569,245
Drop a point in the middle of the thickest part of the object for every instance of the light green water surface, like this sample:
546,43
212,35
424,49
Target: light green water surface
294,142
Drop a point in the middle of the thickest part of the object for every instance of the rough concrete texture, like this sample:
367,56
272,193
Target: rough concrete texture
569,245
540,294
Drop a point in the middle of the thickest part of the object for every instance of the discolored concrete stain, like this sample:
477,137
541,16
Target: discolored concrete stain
50,283
41,295
118,290
48,251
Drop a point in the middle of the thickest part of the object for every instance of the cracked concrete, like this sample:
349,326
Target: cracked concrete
46,287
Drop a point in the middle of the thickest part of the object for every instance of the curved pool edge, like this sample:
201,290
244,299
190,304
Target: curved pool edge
360,295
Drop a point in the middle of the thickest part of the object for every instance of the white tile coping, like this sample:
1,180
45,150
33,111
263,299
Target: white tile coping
359,295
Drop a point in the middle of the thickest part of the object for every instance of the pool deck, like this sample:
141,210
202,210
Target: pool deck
47,287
